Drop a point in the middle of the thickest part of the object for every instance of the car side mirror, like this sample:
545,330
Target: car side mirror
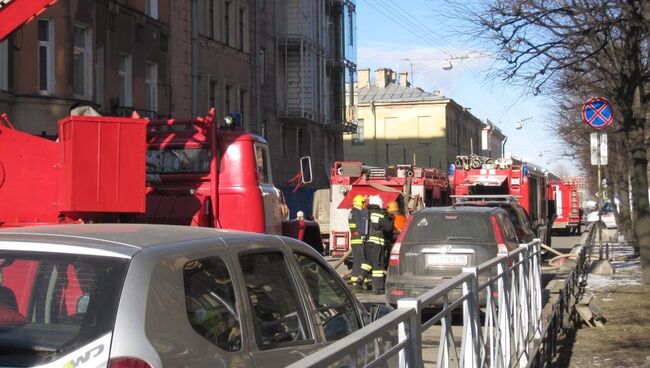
337,327
377,310
305,170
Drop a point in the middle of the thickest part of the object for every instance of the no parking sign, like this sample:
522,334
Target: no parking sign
597,113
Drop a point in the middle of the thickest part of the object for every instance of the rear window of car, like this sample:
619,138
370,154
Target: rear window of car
455,227
51,304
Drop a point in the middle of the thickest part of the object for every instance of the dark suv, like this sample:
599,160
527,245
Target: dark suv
439,241
516,213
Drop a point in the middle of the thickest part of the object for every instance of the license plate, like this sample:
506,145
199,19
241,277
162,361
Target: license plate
446,259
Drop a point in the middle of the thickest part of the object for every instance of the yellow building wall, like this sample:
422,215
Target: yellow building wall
400,133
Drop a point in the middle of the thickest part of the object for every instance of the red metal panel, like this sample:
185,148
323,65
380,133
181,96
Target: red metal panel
15,13
29,179
103,164
366,191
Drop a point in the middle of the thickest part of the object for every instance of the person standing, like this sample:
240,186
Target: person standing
358,225
379,225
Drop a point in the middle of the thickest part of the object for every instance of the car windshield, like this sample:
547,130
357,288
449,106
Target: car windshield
51,304
453,227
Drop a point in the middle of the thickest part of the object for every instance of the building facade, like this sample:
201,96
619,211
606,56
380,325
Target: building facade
282,66
400,124
112,55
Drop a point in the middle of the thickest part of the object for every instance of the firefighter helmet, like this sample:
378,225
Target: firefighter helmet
376,200
392,206
359,201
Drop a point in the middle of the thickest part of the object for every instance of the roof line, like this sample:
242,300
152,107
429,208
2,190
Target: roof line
77,237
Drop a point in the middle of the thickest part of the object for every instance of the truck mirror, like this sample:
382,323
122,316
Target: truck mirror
305,170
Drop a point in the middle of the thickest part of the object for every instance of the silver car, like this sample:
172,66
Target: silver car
151,296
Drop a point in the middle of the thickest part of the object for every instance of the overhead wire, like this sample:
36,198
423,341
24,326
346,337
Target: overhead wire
415,26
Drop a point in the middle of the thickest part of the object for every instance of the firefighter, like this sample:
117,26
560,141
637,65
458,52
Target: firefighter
399,220
375,246
358,224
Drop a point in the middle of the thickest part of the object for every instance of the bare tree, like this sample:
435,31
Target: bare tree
549,44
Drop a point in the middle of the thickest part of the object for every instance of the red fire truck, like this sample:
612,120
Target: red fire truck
412,187
567,206
107,169
504,177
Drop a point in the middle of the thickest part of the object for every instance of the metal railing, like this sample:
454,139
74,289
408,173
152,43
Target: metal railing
505,291
562,313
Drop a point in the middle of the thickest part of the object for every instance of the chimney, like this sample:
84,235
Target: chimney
404,79
382,77
393,77
364,78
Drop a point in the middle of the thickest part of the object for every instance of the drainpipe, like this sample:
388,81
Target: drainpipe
374,139
194,9
503,147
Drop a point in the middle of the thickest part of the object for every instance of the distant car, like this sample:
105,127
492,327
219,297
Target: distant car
606,212
516,214
152,296
439,241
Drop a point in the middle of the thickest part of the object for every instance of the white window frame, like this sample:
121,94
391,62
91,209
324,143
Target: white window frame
49,45
151,8
151,86
87,54
126,90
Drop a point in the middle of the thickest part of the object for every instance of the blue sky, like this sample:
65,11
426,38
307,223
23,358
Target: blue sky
428,35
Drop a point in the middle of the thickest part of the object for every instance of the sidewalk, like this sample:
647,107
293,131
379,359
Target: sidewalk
624,341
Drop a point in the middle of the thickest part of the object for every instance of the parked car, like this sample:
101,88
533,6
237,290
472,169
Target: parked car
606,212
516,214
439,241
152,295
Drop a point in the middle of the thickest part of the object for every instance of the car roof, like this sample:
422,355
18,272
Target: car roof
501,204
123,239
460,209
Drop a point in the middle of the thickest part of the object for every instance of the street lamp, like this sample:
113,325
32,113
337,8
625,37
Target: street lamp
448,66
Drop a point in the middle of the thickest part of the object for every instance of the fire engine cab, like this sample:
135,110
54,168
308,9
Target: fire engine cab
412,187
478,176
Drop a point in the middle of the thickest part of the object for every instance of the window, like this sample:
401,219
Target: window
151,87
262,163
212,93
336,310
211,304
151,8
300,140
242,26
176,161
4,65
284,141
99,72
262,65
45,56
227,100
279,319
358,138
126,87
242,103
226,23
56,302
264,129
211,18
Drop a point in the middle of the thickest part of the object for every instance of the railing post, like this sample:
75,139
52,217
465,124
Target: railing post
503,288
523,315
536,296
470,342
412,357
